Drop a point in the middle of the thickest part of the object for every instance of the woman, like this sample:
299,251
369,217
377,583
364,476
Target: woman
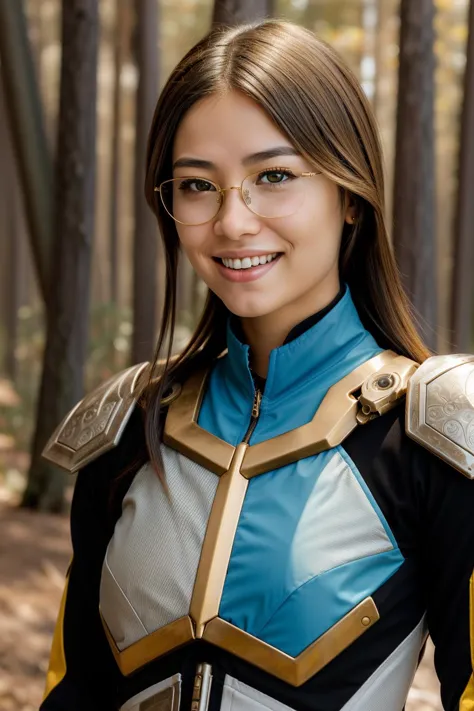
260,531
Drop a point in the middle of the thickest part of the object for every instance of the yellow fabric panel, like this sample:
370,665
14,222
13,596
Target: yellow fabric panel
57,659
467,700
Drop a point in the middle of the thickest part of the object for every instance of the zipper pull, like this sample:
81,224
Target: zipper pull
256,404
201,688
257,399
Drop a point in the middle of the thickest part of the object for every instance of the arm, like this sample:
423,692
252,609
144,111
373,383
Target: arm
440,416
447,578
82,672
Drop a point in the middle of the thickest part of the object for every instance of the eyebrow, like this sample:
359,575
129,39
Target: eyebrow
186,162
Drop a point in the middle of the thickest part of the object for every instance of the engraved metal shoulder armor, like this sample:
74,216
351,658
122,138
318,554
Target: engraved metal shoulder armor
96,423
440,409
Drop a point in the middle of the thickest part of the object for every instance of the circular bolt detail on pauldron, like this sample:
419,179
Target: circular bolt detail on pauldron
384,382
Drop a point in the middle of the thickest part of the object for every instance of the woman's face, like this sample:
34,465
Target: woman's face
224,139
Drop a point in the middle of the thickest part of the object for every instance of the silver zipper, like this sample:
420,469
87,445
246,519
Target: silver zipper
201,687
255,415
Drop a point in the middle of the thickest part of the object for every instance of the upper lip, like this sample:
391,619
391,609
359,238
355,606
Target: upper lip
240,254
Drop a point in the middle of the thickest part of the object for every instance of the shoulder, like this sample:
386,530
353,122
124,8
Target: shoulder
440,409
96,424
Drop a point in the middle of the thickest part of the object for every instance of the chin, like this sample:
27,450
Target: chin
247,308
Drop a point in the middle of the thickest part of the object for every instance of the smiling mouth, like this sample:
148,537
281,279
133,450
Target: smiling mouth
247,262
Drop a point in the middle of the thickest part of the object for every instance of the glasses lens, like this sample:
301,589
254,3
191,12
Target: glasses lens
191,201
274,193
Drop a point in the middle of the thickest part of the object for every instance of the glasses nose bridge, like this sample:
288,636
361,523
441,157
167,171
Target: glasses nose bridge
233,187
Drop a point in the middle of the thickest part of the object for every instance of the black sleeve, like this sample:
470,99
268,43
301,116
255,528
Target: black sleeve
429,506
447,562
82,672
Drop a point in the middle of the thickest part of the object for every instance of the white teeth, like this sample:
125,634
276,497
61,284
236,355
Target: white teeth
247,262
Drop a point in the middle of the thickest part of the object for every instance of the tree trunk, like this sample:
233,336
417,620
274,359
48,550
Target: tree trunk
234,12
414,192
115,163
462,290
13,237
4,181
68,311
13,281
30,144
145,251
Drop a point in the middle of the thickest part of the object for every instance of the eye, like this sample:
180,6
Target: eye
196,185
274,176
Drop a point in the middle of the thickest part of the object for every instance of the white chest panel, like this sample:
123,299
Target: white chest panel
151,562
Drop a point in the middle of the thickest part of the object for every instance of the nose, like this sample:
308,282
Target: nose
234,218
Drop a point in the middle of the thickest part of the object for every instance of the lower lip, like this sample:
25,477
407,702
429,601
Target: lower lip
245,275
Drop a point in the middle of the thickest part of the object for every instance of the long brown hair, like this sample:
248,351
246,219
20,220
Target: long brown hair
317,102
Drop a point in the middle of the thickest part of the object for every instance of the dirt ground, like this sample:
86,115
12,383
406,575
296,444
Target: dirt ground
34,554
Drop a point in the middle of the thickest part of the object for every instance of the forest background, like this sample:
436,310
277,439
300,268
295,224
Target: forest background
81,268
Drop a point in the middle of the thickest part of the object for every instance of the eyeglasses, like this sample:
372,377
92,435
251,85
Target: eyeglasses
278,192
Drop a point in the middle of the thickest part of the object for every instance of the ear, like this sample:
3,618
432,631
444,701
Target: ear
350,209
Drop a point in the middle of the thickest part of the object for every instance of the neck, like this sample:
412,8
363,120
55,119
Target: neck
265,333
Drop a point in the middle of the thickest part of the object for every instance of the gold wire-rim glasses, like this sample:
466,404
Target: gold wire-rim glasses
222,191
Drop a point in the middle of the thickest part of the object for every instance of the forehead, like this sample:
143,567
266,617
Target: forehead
220,128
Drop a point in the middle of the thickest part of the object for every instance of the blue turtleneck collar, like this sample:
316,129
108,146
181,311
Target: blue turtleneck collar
299,374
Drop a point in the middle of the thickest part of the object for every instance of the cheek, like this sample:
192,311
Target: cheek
318,228
193,241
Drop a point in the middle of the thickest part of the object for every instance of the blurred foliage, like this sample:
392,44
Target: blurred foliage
109,347
17,421
109,343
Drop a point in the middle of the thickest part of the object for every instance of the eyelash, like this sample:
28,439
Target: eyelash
186,182
277,169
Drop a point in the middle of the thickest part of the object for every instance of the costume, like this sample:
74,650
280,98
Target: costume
304,549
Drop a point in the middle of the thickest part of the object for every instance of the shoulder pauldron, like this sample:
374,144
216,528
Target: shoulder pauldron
96,423
440,409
